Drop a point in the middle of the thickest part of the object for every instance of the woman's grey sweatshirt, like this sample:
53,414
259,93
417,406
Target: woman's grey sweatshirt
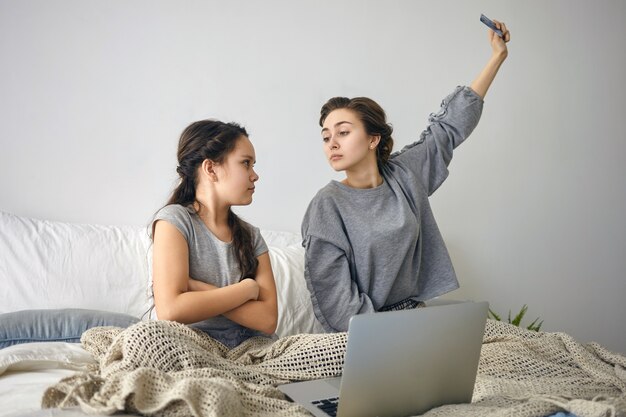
370,248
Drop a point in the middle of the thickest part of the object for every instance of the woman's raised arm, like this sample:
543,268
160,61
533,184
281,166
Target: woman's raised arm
499,53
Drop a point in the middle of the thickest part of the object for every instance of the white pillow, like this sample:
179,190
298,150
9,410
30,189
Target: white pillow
44,355
295,311
55,265
281,239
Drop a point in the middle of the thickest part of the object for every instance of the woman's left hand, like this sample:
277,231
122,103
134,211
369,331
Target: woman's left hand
498,44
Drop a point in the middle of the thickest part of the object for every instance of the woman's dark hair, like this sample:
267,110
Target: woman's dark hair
213,140
373,118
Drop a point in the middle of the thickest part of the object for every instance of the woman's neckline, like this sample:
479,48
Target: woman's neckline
359,190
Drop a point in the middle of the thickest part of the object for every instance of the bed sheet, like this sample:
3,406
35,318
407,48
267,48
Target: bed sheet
28,369
21,393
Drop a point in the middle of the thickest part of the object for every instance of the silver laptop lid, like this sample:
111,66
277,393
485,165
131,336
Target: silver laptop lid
407,362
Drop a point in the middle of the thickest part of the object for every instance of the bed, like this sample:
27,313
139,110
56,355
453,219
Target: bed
60,281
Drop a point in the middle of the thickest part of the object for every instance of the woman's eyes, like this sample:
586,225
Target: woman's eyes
341,133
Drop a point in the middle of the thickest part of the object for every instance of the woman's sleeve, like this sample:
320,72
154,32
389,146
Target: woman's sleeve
334,294
429,157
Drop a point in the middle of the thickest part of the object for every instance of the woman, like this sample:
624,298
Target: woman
210,268
371,240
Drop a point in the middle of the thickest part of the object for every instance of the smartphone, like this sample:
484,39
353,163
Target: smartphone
491,25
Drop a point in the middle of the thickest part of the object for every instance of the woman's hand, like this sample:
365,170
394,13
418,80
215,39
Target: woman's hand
499,53
498,44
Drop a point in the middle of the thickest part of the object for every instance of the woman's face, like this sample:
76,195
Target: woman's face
346,142
236,175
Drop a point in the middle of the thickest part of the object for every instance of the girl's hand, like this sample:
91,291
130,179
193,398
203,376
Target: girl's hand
498,44
252,287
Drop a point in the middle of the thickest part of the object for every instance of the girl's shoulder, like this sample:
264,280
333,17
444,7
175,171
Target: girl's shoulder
176,214
175,210
254,231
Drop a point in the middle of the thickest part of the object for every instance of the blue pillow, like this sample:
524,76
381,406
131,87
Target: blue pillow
63,325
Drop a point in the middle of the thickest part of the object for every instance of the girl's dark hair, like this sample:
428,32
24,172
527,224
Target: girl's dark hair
213,140
373,118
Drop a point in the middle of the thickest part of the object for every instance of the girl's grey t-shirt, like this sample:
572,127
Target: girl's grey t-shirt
371,248
212,261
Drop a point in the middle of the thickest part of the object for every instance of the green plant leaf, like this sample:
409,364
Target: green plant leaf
516,321
534,327
531,325
518,318
494,316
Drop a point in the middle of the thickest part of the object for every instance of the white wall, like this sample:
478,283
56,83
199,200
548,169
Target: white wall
93,96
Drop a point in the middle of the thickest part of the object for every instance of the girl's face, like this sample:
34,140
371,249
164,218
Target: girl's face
236,175
346,142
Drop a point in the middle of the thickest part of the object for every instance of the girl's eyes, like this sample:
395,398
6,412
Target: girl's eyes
247,164
325,139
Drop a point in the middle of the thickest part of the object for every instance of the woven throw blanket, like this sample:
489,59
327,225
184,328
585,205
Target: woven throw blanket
167,369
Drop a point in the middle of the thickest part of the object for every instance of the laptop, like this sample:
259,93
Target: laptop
401,363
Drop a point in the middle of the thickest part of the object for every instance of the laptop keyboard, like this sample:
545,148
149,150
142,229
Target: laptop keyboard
329,405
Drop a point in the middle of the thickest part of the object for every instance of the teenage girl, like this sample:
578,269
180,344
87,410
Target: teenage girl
210,268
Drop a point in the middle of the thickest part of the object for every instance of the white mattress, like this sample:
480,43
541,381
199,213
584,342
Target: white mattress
21,391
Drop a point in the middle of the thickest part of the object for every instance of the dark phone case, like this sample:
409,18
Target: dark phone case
491,25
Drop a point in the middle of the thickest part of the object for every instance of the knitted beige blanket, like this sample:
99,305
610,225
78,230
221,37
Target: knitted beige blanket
167,369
